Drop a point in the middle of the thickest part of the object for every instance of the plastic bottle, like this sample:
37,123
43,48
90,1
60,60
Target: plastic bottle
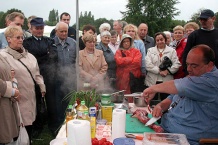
82,111
69,115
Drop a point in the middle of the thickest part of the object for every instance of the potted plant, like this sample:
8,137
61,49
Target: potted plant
90,97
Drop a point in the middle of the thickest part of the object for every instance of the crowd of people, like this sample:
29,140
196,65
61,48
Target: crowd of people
171,67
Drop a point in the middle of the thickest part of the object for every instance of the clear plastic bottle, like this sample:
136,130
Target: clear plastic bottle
82,111
69,115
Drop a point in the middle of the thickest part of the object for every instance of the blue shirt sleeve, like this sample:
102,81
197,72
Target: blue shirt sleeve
196,88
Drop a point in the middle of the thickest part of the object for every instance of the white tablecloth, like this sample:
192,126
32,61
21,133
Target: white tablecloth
62,131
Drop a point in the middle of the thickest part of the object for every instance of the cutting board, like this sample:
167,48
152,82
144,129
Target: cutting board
133,125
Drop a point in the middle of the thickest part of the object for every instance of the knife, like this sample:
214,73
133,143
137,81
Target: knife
134,136
152,120
133,95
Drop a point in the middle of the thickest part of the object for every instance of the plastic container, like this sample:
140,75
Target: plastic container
123,141
105,99
82,111
102,121
165,138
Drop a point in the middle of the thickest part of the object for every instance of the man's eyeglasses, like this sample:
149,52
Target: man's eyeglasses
19,37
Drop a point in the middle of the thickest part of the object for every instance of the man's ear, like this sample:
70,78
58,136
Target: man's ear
211,65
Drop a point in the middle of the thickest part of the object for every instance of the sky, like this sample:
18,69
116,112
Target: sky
109,9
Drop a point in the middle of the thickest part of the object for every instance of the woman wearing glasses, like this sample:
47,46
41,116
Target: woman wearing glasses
23,64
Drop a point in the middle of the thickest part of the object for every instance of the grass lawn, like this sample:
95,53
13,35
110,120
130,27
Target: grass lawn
44,138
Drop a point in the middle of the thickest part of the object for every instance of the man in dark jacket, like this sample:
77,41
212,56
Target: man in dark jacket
143,35
65,17
45,51
207,35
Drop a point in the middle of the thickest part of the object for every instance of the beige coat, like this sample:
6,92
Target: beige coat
8,111
26,87
95,66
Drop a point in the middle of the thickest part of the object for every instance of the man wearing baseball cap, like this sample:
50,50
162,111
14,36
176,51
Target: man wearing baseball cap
45,51
207,35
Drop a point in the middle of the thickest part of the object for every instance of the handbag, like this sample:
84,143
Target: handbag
41,103
23,138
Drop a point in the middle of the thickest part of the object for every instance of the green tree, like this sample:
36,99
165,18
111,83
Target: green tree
175,23
2,23
85,19
53,18
194,17
157,14
2,19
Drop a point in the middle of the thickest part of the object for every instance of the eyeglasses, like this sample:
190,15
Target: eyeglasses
126,41
19,37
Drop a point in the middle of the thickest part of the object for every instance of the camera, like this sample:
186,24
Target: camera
165,63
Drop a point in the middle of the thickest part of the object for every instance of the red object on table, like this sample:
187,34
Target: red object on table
102,141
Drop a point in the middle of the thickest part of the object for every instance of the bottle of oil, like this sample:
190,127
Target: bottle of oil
82,111
69,115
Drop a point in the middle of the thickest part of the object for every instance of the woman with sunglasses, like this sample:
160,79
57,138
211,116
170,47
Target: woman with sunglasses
23,63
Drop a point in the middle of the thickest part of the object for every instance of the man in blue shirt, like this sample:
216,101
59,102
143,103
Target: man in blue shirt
192,107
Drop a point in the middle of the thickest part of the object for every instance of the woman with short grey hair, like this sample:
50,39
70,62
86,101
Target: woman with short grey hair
103,27
109,57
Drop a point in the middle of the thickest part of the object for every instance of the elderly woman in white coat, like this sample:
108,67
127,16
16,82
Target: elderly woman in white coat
14,55
155,57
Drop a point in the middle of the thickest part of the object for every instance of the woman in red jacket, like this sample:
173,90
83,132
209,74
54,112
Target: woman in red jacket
179,44
128,59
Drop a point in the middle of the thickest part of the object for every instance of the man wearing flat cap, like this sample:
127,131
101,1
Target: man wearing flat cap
207,35
45,51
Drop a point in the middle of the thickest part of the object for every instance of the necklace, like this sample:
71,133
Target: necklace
160,52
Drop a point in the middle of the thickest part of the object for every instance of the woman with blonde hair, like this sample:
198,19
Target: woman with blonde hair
179,44
26,69
190,27
92,64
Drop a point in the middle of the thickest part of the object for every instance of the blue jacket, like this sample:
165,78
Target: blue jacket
3,41
139,45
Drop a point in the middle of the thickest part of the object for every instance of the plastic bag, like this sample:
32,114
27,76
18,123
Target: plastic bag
23,138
